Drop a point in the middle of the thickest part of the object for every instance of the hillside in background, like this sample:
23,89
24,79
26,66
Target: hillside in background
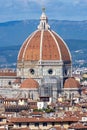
13,34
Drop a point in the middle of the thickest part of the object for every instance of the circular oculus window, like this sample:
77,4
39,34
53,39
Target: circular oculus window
32,71
50,71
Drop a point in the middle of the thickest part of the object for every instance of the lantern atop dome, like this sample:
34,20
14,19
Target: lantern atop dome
43,21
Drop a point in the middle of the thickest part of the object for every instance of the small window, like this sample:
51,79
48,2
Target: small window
45,124
9,83
27,124
1,120
50,71
53,123
19,124
36,124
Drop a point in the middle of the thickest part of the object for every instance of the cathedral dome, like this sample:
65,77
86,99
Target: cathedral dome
44,44
71,83
29,84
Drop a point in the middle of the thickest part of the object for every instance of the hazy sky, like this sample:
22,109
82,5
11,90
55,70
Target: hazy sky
31,9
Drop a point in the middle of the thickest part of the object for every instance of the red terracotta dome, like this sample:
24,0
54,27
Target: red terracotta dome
44,44
71,83
29,83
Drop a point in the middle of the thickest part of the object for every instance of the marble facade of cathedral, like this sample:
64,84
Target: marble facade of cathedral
43,65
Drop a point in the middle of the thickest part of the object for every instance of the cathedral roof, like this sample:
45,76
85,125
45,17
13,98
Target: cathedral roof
29,83
7,72
44,44
71,83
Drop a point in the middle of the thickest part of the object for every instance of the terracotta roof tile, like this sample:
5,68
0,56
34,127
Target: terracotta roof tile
50,47
78,126
26,128
29,83
63,49
22,49
8,73
71,83
33,120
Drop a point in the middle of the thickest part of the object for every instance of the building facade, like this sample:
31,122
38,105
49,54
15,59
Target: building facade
44,64
45,57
